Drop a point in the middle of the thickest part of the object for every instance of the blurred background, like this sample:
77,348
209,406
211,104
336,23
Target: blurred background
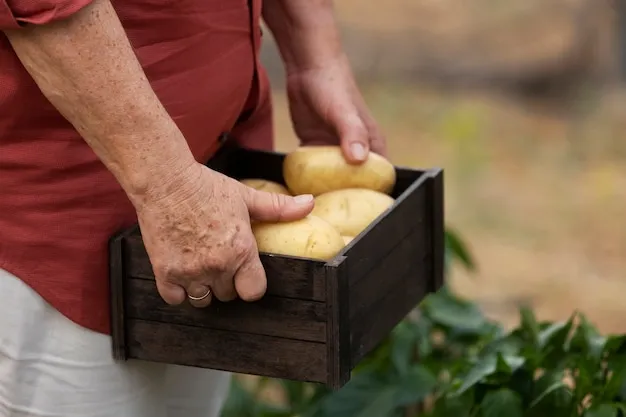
523,103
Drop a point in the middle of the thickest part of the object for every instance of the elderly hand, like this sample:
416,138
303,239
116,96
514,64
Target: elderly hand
327,109
198,237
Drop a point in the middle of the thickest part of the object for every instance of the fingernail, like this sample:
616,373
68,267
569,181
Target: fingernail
303,199
358,151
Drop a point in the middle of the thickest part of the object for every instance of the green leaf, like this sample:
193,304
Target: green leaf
423,328
553,342
380,405
523,382
376,361
556,334
267,410
621,408
445,309
508,364
529,326
485,367
453,406
375,394
556,387
457,249
294,391
364,390
403,346
509,344
616,381
615,345
320,392
588,341
239,402
584,377
501,403
415,385
601,410
551,396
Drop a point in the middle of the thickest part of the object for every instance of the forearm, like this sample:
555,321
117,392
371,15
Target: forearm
306,32
86,67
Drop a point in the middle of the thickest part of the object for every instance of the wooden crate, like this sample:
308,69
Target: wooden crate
318,319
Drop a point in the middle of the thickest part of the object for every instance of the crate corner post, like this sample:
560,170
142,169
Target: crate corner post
338,323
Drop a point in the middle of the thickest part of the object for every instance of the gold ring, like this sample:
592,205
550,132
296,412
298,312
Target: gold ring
199,298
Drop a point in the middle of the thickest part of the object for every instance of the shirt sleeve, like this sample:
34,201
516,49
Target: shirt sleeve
15,14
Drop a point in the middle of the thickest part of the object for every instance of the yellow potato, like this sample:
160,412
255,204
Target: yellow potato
265,185
320,169
351,210
347,239
310,237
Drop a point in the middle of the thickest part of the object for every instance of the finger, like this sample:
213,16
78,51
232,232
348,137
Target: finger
353,137
272,207
172,294
250,279
202,292
378,141
224,288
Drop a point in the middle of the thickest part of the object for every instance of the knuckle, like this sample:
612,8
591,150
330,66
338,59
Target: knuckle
190,269
167,270
179,272
362,131
242,243
278,201
216,265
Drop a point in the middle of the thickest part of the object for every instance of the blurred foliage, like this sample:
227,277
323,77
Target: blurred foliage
448,360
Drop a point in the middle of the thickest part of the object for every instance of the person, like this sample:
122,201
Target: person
108,111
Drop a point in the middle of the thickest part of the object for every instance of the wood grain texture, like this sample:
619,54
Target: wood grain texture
317,320
393,268
409,255
117,293
438,245
228,351
286,276
338,323
370,329
272,316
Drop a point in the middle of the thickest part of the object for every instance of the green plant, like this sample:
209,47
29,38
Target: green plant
448,360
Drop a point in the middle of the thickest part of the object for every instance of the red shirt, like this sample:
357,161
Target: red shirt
59,205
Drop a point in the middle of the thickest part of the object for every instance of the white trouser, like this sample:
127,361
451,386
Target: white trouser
50,366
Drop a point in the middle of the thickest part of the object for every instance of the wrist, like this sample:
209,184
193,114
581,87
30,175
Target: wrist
305,32
152,167
172,183
312,54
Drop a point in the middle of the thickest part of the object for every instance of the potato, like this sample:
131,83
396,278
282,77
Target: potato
351,210
320,169
347,239
265,185
310,237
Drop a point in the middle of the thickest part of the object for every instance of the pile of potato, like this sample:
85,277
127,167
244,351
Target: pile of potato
347,199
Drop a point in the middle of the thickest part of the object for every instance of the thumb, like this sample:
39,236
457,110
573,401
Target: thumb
353,136
272,207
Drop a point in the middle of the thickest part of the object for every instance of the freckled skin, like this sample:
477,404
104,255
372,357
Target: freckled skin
195,222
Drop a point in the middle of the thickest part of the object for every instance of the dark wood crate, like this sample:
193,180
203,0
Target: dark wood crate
318,319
